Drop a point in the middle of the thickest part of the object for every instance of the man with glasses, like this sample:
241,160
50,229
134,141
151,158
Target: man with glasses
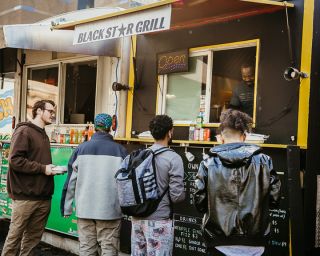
30,181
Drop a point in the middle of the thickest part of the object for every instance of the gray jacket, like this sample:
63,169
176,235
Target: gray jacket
91,179
170,172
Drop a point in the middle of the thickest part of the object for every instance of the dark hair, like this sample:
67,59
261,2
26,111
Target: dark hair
106,130
159,126
40,104
235,120
247,65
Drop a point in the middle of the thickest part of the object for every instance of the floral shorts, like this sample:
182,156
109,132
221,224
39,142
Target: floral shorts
152,238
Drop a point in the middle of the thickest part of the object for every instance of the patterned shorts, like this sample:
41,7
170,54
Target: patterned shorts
152,238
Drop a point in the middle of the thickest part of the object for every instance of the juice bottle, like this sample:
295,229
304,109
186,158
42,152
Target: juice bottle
90,132
76,136
72,136
86,133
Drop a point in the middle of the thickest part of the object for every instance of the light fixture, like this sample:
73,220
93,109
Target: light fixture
190,157
118,86
292,73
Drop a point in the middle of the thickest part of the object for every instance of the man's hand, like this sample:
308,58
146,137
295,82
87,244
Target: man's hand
49,170
66,216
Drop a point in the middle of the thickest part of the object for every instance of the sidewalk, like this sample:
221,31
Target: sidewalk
43,249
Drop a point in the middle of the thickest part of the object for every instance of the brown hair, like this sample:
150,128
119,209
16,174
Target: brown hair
40,104
235,120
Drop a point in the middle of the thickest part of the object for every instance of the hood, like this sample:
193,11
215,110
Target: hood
29,124
235,154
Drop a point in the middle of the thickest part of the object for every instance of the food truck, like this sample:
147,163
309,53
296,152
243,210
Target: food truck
183,58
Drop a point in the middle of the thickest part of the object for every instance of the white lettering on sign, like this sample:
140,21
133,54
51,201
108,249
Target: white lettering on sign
155,19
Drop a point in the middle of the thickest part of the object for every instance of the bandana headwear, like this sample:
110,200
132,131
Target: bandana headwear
103,121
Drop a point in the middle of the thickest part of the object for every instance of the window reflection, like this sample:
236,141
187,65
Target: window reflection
42,84
184,90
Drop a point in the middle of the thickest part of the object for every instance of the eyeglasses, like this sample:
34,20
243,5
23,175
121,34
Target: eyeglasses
51,111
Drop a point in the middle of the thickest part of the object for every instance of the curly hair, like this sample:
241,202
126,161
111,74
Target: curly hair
235,120
159,126
40,104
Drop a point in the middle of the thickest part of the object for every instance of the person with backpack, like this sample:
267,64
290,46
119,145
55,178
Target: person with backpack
90,181
236,186
161,171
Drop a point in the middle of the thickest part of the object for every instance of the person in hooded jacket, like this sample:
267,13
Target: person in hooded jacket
30,182
236,186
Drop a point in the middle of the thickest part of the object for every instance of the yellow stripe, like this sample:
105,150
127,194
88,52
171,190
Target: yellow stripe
133,48
256,83
70,25
185,142
238,44
269,2
306,55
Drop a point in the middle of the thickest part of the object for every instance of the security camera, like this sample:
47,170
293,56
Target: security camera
291,73
118,87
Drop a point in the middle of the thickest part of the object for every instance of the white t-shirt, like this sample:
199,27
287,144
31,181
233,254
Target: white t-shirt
241,250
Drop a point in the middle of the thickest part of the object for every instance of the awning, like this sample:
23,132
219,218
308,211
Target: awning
40,36
194,12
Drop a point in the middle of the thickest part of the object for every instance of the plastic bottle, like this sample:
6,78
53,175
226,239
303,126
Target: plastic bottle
76,136
72,136
62,138
90,131
191,131
199,120
86,133
67,137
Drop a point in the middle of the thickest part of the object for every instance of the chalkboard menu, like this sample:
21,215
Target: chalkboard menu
173,62
188,240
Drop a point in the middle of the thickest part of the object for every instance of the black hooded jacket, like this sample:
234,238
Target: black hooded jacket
235,188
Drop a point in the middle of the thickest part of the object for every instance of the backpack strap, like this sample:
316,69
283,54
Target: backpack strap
157,152
161,150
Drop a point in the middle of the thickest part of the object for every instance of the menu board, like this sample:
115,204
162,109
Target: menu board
188,240
188,235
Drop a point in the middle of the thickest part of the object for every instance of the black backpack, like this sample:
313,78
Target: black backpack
137,183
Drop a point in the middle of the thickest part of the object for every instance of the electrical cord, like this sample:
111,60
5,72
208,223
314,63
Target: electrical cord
116,98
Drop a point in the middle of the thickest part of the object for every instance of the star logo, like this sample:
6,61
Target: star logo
122,30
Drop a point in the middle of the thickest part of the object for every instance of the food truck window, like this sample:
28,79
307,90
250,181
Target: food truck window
219,77
42,83
80,92
184,91
233,77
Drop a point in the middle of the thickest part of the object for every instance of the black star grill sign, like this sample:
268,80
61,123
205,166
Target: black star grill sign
122,30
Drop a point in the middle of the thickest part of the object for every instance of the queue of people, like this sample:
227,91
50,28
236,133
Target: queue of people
235,187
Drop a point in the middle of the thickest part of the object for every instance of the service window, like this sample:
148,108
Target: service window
219,77
80,92
71,84
42,83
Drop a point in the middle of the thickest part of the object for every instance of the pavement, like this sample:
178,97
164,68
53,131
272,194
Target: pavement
42,249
